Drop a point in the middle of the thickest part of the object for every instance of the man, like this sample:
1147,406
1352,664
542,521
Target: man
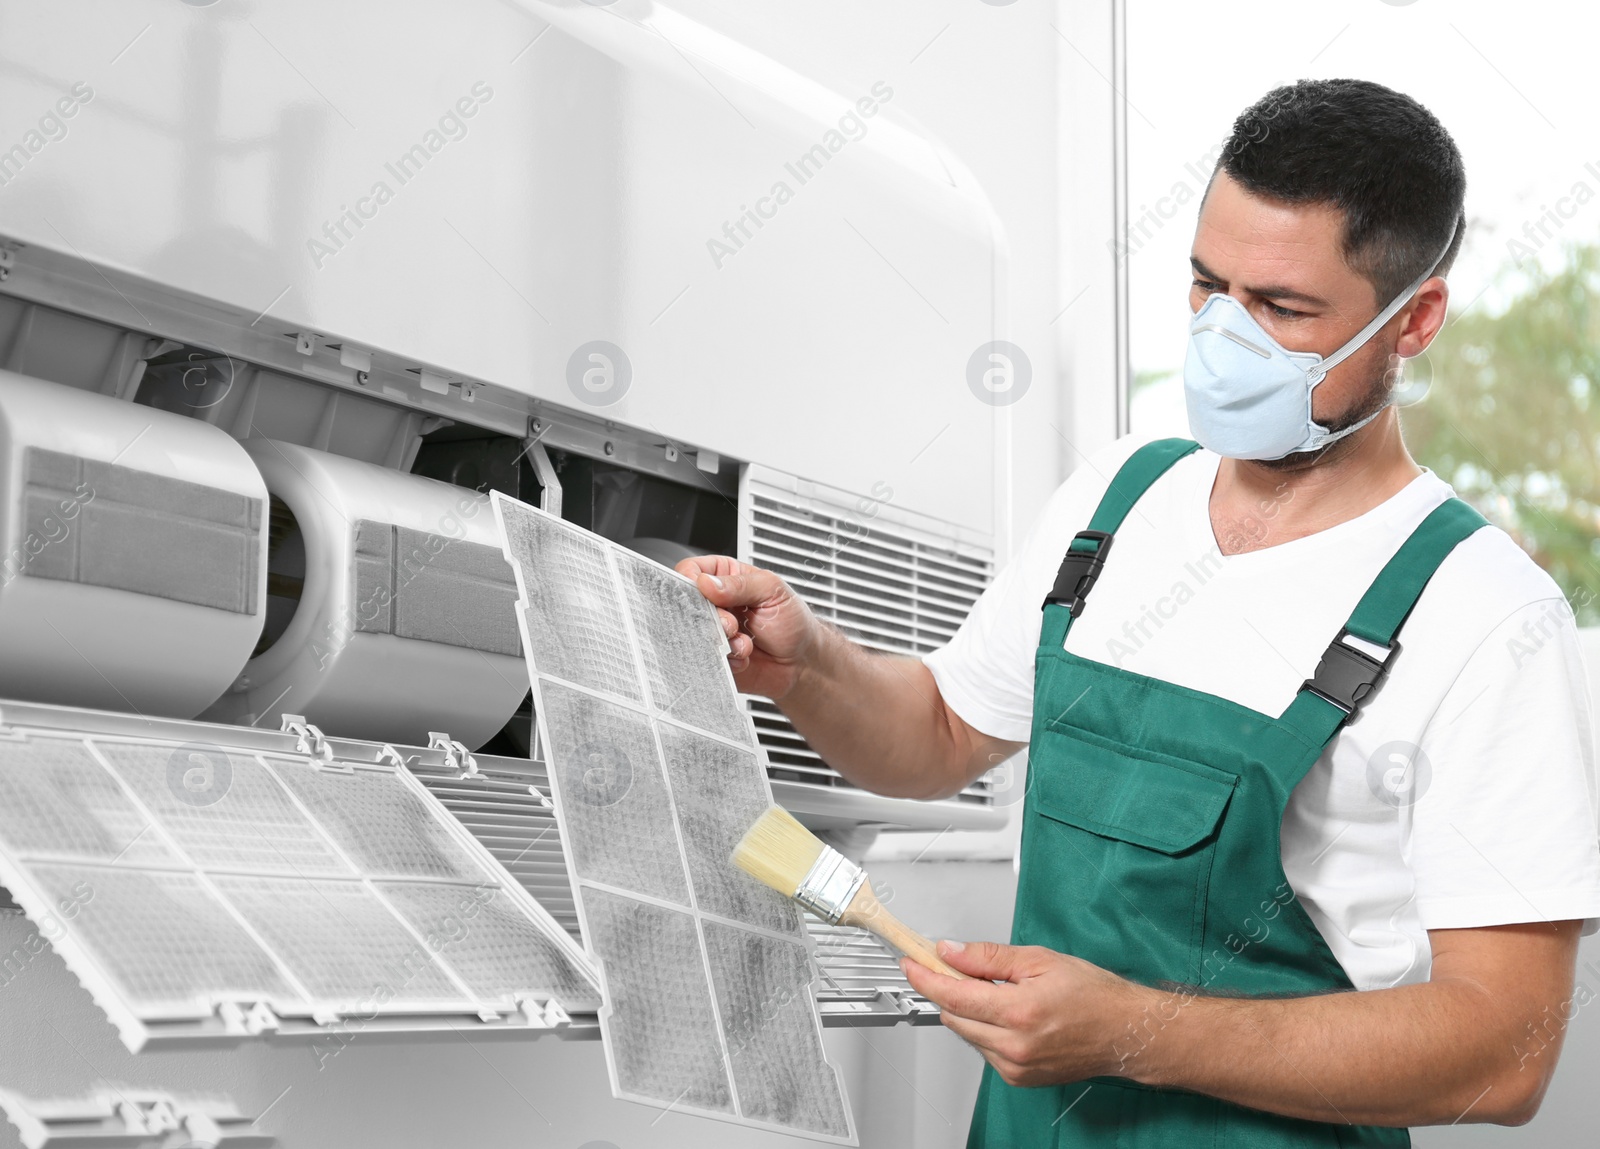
1245,795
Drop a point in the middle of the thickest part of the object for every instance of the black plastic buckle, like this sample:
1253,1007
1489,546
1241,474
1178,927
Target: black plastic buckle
1079,570
1346,676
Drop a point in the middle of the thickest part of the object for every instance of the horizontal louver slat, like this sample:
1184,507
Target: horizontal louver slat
870,561
820,525
809,557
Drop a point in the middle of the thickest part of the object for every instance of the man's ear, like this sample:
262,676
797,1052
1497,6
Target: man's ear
1423,318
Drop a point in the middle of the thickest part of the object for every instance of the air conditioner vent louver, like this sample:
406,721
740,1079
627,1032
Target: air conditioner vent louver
888,584
508,815
297,872
79,800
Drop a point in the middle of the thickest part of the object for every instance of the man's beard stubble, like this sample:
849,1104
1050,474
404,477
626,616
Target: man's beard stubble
1374,399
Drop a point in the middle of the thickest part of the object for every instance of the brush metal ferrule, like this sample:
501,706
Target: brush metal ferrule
830,885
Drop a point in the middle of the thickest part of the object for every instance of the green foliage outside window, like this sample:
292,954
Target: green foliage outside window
1512,420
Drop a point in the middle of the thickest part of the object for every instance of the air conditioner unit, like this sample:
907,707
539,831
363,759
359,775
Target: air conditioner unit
239,387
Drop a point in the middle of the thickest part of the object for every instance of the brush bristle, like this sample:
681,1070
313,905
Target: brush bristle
778,851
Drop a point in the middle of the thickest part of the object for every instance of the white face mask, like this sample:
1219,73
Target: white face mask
1249,397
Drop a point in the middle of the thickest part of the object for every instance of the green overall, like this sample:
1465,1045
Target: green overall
1150,844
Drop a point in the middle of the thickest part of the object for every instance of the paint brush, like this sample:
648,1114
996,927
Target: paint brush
778,851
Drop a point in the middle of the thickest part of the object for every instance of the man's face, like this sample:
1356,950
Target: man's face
1283,263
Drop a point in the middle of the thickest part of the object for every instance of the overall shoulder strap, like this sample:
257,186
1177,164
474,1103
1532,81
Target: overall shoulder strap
1086,555
1134,478
1392,595
1347,676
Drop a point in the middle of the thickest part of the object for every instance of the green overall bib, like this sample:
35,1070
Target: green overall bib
1150,844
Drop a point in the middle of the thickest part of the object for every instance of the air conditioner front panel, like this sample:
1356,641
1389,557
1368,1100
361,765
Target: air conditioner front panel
589,191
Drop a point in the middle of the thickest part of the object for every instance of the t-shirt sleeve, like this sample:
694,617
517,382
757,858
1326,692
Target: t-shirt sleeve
985,672
1506,818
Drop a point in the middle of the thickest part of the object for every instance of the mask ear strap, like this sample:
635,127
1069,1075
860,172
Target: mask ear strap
1316,374
1334,436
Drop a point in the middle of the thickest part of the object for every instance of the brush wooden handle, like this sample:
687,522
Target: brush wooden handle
866,911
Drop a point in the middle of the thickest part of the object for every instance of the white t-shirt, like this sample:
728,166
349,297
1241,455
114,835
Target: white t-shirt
1493,822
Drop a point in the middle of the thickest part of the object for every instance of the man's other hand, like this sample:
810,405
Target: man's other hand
1039,1017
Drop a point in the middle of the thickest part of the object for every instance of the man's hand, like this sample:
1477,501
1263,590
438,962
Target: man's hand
1052,1018
1478,1041
770,629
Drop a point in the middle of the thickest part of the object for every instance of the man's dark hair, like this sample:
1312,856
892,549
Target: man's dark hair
1379,157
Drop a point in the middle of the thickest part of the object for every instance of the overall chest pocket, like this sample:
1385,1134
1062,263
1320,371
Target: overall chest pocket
1118,853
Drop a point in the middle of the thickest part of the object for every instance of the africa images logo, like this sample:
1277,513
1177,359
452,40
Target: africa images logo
199,774
851,126
1398,774
999,373
599,373
604,773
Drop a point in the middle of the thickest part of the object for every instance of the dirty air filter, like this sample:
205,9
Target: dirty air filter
390,612
199,889
503,804
708,976
132,548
